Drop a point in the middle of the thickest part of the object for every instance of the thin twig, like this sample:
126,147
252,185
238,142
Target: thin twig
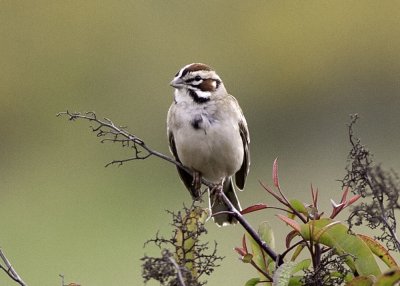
10,270
178,271
117,134
371,181
246,225
270,279
283,200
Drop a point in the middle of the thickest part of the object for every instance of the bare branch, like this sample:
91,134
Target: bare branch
106,128
178,271
117,134
380,189
9,270
246,225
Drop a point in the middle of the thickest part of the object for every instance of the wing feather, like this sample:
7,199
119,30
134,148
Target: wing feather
241,175
185,177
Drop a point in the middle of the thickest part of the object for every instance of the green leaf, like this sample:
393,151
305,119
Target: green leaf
389,278
283,273
252,282
260,257
362,281
321,231
247,258
298,206
304,264
335,235
266,233
299,248
379,250
296,281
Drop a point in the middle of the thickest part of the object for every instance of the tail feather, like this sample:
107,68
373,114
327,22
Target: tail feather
218,205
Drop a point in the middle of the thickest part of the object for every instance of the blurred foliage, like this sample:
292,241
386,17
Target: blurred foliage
297,68
185,259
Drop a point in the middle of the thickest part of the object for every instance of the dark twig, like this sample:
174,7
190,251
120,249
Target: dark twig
246,225
117,134
380,187
9,270
178,271
269,277
106,128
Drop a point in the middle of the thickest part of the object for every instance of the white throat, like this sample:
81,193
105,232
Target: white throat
203,94
183,95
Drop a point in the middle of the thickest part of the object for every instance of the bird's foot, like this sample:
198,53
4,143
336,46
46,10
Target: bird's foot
215,193
196,183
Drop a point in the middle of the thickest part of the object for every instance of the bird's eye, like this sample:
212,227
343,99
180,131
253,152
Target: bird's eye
197,78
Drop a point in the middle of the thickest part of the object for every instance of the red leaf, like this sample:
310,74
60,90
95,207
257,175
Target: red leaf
344,196
271,192
253,208
290,237
240,251
244,243
275,177
295,225
314,195
353,199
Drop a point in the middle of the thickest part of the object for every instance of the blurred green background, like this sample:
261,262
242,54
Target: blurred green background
298,69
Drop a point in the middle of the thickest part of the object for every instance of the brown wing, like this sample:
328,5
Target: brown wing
186,178
241,175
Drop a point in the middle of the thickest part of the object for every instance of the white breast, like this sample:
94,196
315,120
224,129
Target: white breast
215,148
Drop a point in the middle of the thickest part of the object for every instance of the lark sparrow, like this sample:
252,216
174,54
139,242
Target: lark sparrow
208,134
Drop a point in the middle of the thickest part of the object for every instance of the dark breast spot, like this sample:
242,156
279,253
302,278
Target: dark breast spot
196,122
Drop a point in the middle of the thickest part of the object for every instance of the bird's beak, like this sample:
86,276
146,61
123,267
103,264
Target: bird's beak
177,82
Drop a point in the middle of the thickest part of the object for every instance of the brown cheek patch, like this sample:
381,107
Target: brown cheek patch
207,85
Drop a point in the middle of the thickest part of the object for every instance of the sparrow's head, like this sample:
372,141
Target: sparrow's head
199,81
